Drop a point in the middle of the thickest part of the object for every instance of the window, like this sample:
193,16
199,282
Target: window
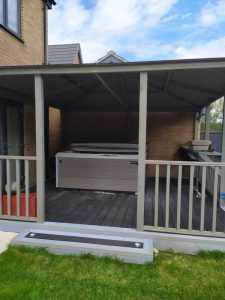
1,11
10,15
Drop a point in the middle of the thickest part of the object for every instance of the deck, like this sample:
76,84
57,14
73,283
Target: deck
119,209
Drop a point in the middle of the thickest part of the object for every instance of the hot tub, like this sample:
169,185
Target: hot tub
106,167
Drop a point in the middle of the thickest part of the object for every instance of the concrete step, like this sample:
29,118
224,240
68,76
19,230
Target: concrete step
129,249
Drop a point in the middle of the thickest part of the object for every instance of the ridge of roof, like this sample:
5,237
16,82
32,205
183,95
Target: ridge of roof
111,53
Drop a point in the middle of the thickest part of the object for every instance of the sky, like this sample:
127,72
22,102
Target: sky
140,30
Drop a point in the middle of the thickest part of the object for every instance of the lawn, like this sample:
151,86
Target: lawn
35,274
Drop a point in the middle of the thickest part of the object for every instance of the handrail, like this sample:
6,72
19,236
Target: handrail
12,157
184,163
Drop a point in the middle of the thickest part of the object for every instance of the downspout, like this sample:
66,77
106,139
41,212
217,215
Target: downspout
222,182
45,10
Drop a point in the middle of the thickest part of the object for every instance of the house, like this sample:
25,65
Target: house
111,57
154,103
64,54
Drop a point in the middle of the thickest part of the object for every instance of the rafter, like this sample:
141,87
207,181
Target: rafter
72,86
180,99
75,83
116,97
186,86
83,95
13,95
125,90
168,77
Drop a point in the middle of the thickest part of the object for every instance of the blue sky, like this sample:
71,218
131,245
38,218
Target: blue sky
141,30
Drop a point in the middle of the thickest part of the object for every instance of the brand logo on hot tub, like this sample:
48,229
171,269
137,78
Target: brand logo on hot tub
133,162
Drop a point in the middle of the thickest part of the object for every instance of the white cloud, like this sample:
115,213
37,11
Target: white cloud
109,25
185,16
213,48
212,13
170,18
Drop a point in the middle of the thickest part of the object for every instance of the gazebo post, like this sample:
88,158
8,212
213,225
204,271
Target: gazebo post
142,149
196,127
40,147
207,117
222,185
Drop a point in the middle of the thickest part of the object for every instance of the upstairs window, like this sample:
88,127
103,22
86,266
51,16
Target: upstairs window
10,15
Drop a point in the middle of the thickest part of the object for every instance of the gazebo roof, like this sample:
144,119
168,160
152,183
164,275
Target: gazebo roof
178,85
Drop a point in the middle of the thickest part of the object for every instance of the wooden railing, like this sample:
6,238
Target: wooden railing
10,172
199,212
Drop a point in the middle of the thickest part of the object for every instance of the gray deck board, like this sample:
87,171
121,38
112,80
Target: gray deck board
119,209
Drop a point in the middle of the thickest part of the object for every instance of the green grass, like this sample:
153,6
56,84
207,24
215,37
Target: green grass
35,274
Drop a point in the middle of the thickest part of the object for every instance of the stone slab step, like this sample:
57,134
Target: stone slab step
128,249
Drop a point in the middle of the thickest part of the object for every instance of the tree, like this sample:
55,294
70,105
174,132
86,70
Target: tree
216,116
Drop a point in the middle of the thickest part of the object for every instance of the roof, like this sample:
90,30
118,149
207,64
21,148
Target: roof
111,57
64,54
178,85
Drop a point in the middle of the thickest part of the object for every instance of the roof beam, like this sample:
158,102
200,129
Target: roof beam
154,83
13,95
168,77
125,90
191,64
186,101
116,97
56,92
185,86
70,102
74,83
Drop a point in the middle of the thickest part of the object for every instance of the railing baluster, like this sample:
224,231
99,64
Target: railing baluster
27,189
8,190
167,195
156,195
0,187
215,197
179,196
190,213
202,220
18,187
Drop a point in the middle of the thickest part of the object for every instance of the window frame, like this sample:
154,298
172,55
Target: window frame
5,25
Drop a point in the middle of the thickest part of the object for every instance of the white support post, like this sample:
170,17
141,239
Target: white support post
222,185
196,133
207,117
142,149
40,147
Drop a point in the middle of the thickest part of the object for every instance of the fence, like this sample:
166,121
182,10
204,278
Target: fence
216,138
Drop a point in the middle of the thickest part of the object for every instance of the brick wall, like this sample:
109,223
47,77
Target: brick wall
30,50
94,128
166,132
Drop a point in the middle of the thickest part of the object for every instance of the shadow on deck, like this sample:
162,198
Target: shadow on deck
119,209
